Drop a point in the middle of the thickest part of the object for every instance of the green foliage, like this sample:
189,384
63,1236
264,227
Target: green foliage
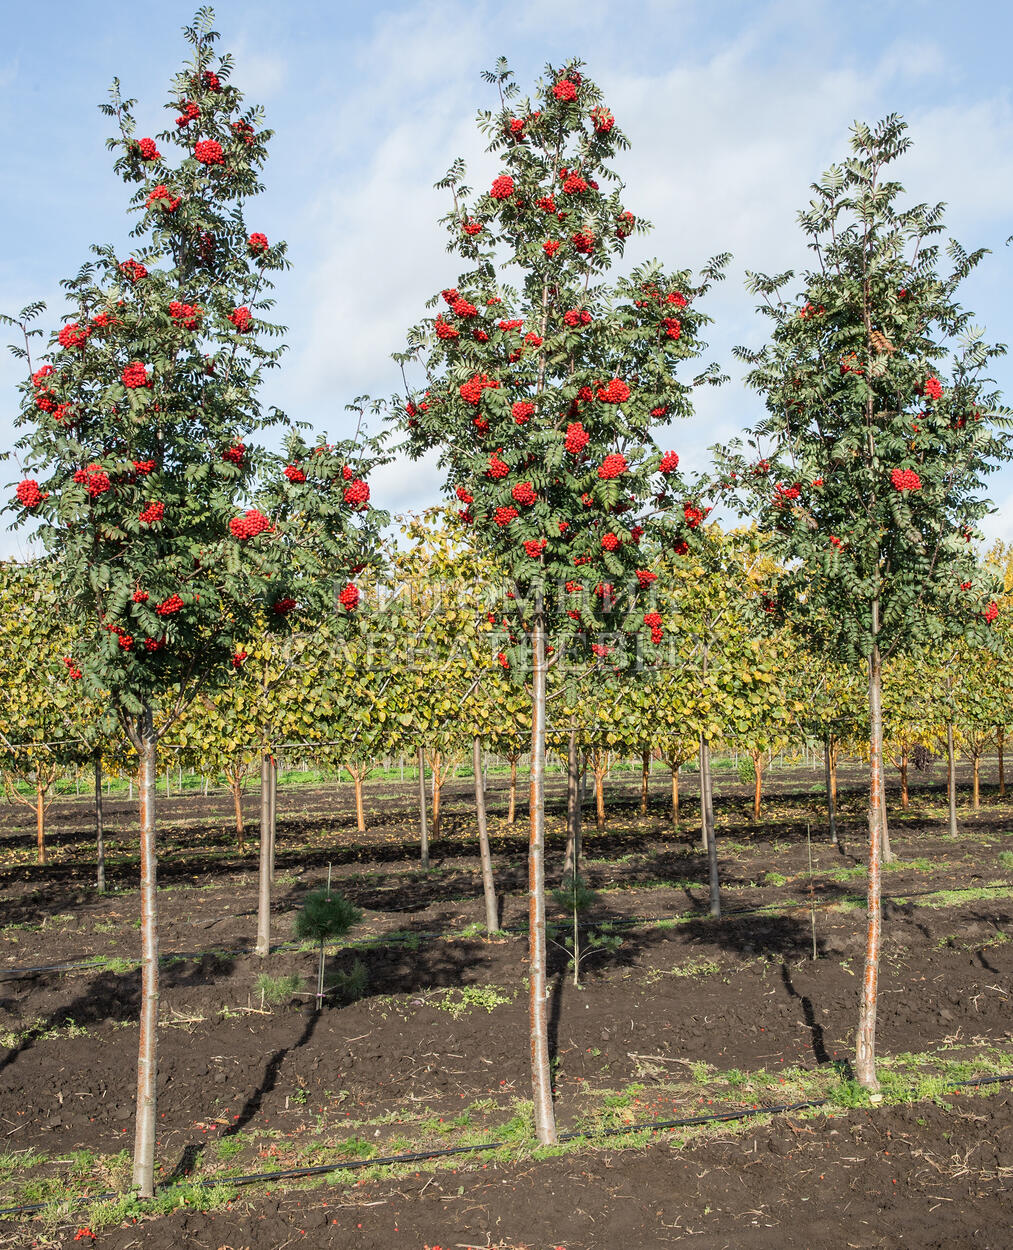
868,469
325,915
530,388
351,985
275,989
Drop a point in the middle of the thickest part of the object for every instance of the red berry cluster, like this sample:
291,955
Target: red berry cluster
212,81
463,495
933,388
284,606
669,462
73,334
574,185
294,473
502,187
187,314
357,493
73,672
257,243
249,525
565,90
616,392
503,516
28,493
152,513
94,479
444,330
497,467
243,130
610,541
208,152
645,577
148,151
525,494
583,241
785,494
905,479
170,606
140,596
523,410
238,659
241,319
190,112
577,438
133,269
472,227
349,597
576,317
462,308
471,391
673,327
160,195
991,612
135,375
602,119
624,226
534,547
234,454
614,465
155,644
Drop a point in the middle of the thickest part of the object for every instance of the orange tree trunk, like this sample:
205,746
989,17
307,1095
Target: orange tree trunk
757,757
904,797
1000,743
437,791
976,790
645,773
40,821
512,809
675,794
147,1060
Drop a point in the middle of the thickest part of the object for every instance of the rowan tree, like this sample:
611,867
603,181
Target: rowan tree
172,530
868,468
543,398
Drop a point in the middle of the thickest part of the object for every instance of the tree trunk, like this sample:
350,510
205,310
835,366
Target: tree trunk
645,773
976,780
951,782
147,1058
834,748
236,786
100,840
512,810
263,947
675,794
865,1049
571,861
40,821
831,796
707,820
485,852
1000,743
273,824
757,758
905,798
360,811
437,792
541,1072
423,810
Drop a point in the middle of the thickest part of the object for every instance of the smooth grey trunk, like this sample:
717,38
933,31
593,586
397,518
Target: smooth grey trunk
571,860
951,782
865,1047
831,800
707,821
100,841
263,947
146,744
423,809
541,1072
488,881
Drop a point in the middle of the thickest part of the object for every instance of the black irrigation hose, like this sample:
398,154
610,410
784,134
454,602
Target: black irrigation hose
446,1152
12,974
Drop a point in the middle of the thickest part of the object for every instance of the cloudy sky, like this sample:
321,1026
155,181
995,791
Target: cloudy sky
732,110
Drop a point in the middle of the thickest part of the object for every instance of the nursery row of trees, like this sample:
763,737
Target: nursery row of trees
419,675
187,553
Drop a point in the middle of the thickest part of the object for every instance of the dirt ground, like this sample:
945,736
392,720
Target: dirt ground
676,1014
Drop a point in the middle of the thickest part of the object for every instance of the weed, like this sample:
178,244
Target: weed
457,1002
351,985
275,990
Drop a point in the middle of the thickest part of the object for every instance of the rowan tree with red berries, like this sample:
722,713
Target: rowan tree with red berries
545,384
174,533
868,469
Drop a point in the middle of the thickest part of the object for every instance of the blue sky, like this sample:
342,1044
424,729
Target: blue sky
732,110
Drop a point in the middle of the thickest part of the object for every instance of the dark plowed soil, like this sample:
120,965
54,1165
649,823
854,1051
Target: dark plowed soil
918,1176
441,1024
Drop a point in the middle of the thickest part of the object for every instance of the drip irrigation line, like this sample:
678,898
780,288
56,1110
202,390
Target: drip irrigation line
447,1152
399,937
